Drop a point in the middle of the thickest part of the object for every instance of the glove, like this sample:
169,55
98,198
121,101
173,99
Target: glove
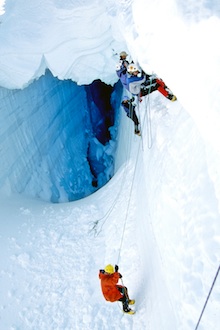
102,271
118,67
120,276
116,268
132,99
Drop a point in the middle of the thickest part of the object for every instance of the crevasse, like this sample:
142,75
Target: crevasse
57,139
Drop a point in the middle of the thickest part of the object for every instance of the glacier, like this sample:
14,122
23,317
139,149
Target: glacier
66,122
150,204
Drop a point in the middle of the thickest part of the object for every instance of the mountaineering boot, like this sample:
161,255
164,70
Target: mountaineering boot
172,97
131,302
128,311
136,130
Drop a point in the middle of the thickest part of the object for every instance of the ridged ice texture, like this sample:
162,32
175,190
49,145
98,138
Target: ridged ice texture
47,137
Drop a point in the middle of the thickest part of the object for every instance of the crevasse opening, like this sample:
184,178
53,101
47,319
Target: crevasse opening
62,138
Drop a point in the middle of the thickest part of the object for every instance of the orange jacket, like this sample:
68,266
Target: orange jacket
109,286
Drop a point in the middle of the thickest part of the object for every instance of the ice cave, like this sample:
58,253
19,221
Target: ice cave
63,136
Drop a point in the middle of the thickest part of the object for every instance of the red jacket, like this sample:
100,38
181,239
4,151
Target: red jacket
109,286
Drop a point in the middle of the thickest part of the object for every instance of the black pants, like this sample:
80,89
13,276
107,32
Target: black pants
147,89
124,299
130,110
133,116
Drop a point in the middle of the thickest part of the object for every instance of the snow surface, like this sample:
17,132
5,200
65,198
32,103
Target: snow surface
158,217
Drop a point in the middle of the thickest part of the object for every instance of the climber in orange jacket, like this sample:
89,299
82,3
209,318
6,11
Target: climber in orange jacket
112,291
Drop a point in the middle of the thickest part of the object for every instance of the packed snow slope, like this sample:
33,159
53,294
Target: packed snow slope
158,217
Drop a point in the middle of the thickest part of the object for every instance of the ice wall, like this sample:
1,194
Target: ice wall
57,139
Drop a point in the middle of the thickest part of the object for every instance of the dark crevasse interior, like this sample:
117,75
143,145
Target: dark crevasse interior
58,139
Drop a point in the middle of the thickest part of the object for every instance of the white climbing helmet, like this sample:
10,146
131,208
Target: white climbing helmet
132,68
123,54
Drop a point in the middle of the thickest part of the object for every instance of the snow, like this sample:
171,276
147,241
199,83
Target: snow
2,7
158,217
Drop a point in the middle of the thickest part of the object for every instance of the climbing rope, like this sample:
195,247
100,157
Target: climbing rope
128,205
96,223
148,115
140,121
149,146
149,130
207,299
125,291
105,217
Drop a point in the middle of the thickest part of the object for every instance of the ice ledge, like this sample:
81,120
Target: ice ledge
72,42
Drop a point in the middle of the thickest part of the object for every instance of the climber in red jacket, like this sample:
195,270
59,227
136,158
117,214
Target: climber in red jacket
112,291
